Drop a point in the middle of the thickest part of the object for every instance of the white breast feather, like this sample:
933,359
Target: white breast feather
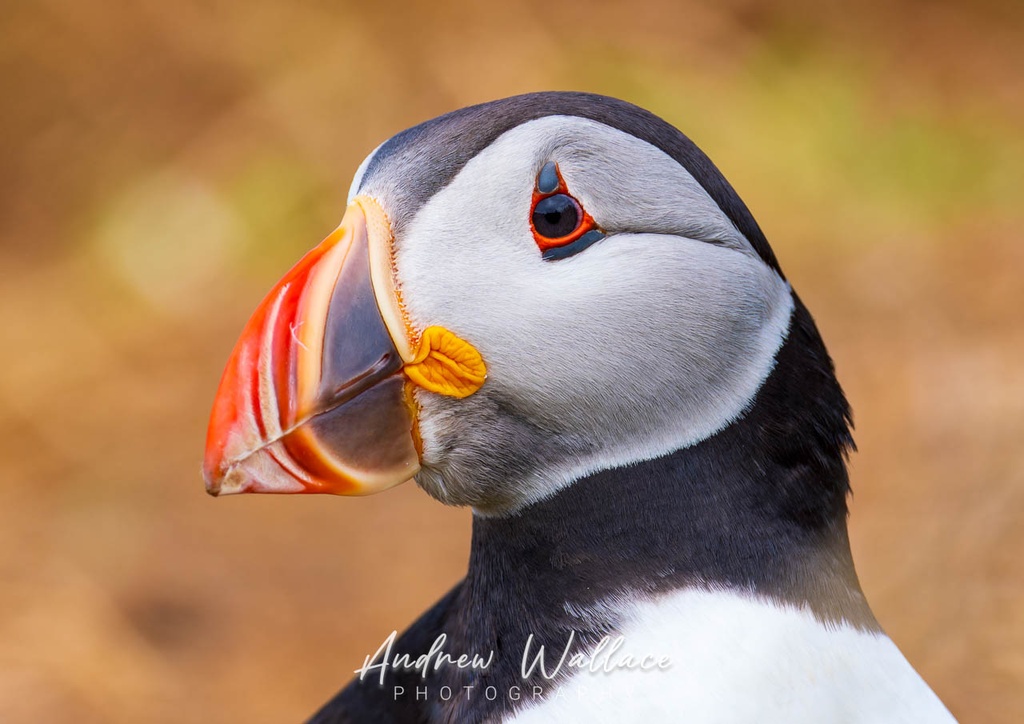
743,659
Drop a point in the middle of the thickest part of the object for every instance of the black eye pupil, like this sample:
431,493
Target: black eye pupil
556,216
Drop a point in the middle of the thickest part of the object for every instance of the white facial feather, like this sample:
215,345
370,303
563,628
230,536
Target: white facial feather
650,340
357,178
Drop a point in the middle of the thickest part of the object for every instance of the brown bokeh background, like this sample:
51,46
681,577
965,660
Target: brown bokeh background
164,163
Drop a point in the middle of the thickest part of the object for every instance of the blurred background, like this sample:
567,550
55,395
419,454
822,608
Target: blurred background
164,163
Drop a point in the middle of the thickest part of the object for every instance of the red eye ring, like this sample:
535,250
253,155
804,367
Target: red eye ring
556,214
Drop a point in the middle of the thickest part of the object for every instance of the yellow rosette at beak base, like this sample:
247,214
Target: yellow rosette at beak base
446,364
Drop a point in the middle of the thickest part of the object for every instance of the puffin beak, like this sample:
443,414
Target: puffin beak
317,396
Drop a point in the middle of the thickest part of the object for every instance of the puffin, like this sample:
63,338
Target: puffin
554,309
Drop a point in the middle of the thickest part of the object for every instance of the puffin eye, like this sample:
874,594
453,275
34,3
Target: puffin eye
561,228
556,216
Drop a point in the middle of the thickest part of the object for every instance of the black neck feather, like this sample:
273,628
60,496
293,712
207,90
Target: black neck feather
760,506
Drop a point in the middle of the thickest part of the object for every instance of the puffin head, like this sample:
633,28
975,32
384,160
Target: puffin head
521,293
